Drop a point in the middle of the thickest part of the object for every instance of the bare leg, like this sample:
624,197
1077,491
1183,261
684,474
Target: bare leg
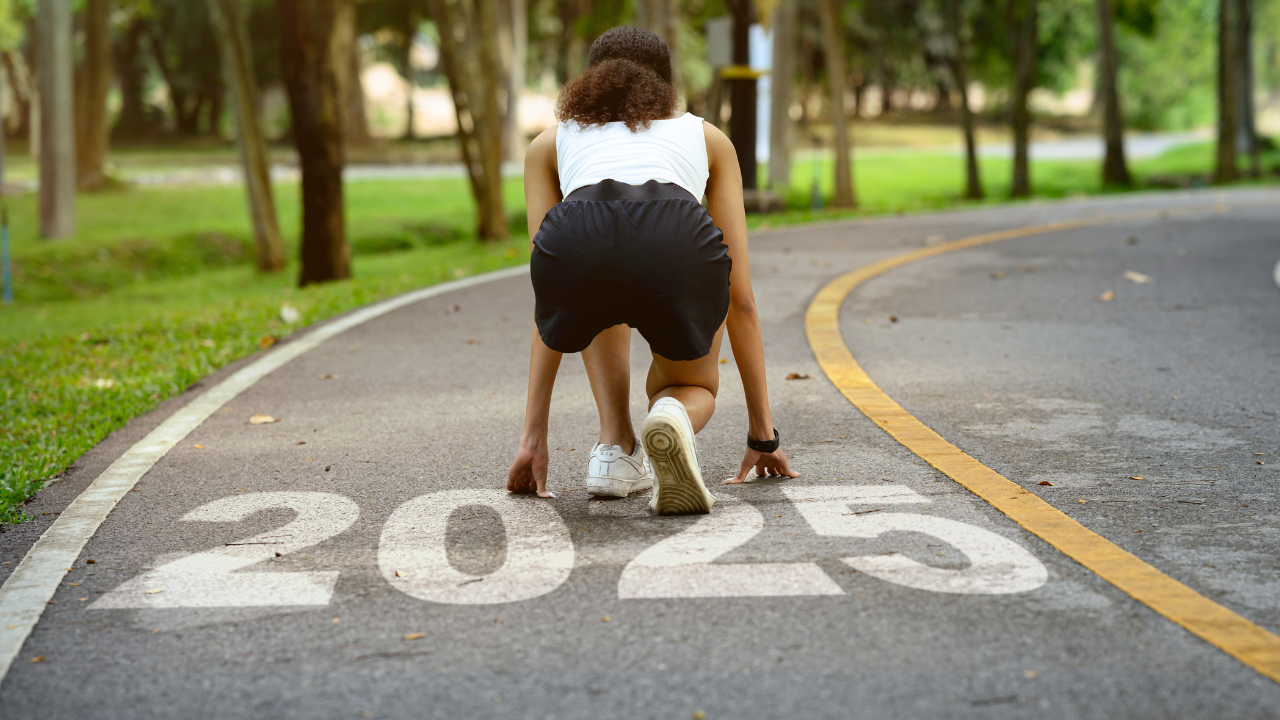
693,382
608,361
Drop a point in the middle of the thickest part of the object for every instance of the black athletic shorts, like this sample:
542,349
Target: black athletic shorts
646,255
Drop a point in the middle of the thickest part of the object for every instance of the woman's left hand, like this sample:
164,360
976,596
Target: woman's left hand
772,464
528,473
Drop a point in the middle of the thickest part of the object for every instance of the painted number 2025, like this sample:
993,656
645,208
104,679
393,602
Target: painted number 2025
412,554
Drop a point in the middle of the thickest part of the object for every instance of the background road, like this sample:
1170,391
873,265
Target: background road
572,611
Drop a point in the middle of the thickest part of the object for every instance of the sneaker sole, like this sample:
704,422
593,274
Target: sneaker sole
679,481
610,487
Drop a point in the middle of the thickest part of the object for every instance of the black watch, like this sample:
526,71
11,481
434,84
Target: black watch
764,446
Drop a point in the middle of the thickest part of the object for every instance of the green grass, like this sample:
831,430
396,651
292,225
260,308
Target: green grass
157,289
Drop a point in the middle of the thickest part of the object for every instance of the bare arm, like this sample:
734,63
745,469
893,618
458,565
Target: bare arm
541,192
724,201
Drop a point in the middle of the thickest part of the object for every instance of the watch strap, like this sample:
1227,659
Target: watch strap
764,446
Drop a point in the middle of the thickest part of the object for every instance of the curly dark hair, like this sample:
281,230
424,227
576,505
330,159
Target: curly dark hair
628,79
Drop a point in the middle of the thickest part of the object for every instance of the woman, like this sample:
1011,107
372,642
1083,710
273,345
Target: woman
620,241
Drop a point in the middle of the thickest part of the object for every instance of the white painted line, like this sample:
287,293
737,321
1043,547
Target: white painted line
26,592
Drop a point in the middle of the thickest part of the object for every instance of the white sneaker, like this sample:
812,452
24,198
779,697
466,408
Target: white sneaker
614,473
667,435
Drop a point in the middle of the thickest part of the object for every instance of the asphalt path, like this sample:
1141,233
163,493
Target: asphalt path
357,558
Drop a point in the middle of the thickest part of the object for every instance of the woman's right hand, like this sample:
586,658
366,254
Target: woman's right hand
528,472
772,464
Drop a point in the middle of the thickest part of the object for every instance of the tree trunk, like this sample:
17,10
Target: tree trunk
132,120
1227,89
833,50
516,27
21,88
743,96
407,33
1248,133
781,89
356,121
473,65
1115,170
1025,50
313,69
57,131
230,22
958,63
92,121
567,11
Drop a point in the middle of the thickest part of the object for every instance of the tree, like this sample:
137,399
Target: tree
1225,169
1115,171
957,62
93,80
781,86
743,94
185,50
313,62
132,120
515,41
57,129
230,22
1248,130
833,51
1025,50
472,59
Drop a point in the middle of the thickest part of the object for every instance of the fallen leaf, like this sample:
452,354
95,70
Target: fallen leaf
104,383
207,343
996,275
605,618
261,419
699,715
797,376
1082,501
327,376
38,658
302,442
153,592
1045,482
13,627
399,573
81,599
289,314
1107,296
474,342
893,318
1137,277
1136,477
267,341
73,584
90,561
1259,462
412,636
1259,453
724,360
335,621
198,446
1029,673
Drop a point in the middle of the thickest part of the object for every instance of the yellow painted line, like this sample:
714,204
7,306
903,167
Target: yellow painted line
1213,623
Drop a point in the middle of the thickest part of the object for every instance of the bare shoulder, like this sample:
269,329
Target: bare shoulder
542,151
719,146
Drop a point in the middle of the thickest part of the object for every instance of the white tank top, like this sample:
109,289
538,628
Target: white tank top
670,151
